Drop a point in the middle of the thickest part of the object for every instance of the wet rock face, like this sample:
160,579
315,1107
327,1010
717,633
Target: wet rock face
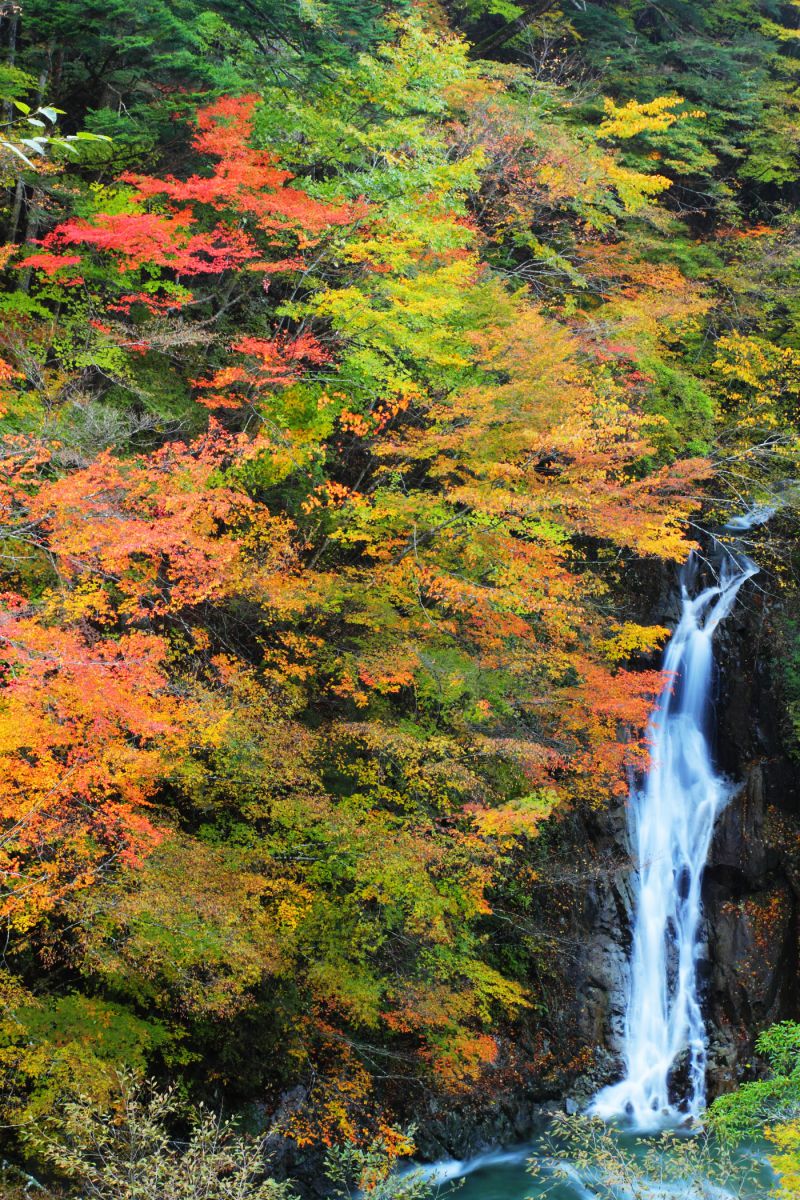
752,892
602,994
464,1131
599,973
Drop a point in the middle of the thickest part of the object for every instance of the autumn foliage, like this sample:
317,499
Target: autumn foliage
317,502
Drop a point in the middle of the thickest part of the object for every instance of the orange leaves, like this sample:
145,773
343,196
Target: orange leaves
341,1108
328,495
278,359
158,527
142,239
91,722
223,126
245,179
600,713
7,372
49,263
160,548
650,514
746,234
464,1060
589,465
646,514
87,727
269,363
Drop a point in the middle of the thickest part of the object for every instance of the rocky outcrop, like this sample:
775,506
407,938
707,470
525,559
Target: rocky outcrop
752,887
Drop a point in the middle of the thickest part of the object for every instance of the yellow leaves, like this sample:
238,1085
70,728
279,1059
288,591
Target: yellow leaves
646,302
194,929
630,638
622,121
523,815
423,63
401,315
470,93
293,902
88,601
493,990
744,359
600,441
785,1159
634,188
354,992
594,182
781,33
759,382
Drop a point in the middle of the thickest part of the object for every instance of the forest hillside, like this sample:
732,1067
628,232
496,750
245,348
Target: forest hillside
366,369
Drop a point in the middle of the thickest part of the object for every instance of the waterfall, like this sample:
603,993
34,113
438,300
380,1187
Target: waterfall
671,821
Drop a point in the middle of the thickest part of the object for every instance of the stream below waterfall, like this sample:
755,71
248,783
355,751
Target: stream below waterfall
505,1175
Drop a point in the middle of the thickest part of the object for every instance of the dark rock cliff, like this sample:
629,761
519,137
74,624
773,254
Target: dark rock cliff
752,884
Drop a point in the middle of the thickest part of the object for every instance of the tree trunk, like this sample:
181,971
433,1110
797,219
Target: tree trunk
535,8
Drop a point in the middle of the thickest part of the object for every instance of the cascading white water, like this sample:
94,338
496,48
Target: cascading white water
671,821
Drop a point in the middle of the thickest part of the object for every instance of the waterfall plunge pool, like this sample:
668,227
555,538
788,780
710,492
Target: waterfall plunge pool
625,1166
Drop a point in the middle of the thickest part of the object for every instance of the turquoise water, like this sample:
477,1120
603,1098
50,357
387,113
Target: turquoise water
627,1168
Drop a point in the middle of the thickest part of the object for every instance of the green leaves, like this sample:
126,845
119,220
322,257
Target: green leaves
42,144
754,1106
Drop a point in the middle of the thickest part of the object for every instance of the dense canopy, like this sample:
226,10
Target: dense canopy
355,361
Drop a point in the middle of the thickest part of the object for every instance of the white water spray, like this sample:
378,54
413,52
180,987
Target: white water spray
671,821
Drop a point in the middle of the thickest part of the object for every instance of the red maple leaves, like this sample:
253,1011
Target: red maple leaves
196,226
